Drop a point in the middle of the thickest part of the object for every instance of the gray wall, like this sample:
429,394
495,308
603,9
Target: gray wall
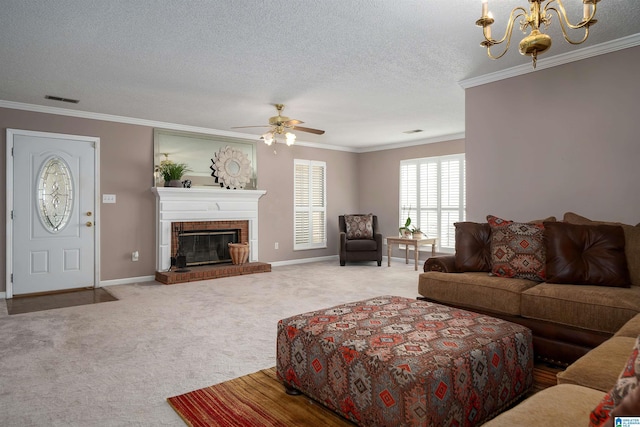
557,140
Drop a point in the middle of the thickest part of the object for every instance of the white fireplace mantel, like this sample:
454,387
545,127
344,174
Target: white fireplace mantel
175,204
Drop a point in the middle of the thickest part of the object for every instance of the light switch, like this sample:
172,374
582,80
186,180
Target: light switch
108,198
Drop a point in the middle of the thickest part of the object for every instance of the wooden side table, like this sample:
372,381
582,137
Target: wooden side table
416,243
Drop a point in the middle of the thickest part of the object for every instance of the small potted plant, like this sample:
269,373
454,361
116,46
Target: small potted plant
416,233
405,231
172,172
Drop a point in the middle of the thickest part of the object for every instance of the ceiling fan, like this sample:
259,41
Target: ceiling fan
282,125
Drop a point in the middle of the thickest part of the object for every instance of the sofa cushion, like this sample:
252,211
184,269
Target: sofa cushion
359,226
627,380
474,290
517,249
586,254
473,246
598,308
632,242
630,329
599,368
560,405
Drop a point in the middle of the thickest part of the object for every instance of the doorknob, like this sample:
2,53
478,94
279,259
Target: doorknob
89,213
89,223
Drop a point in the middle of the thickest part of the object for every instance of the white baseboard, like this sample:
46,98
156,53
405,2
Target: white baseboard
3,295
127,280
329,258
304,260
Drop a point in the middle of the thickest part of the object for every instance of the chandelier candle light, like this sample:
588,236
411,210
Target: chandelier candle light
539,15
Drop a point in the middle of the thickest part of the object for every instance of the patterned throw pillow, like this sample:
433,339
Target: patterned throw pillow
627,381
517,249
359,226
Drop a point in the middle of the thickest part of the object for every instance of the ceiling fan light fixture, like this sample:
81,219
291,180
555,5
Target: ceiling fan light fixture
290,138
268,138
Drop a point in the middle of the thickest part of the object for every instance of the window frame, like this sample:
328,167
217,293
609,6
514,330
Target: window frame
445,235
310,208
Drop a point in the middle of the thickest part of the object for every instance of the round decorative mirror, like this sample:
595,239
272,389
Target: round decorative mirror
232,167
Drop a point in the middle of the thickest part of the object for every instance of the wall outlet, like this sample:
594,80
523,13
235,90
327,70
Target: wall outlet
134,256
275,245
108,198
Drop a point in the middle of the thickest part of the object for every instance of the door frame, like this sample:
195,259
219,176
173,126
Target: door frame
11,133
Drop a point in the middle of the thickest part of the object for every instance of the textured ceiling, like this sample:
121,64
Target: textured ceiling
364,71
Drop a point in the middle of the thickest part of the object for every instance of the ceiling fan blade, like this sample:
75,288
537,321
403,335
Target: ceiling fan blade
243,127
303,129
293,122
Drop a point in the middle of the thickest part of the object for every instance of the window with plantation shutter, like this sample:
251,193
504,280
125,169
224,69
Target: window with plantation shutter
432,194
310,200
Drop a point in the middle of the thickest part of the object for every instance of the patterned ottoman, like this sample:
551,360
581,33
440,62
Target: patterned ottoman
391,361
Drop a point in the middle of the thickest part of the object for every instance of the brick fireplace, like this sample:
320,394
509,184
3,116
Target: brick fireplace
233,231
204,208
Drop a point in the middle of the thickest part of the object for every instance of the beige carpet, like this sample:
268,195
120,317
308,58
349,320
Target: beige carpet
115,364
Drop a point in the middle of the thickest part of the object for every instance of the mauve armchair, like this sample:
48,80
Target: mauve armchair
360,238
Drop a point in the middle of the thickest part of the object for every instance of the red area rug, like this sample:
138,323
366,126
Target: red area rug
256,399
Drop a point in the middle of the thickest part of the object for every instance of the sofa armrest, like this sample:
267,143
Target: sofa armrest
442,263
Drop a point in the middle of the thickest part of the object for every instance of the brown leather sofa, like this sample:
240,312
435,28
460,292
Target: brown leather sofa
568,318
360,249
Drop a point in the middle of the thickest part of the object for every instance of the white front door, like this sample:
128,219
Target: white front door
51,196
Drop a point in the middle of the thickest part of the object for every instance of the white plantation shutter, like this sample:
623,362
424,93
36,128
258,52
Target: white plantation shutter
310,223
432,193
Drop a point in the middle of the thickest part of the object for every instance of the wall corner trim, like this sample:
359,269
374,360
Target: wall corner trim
553,61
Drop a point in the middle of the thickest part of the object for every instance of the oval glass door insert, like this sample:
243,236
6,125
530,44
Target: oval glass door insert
55,195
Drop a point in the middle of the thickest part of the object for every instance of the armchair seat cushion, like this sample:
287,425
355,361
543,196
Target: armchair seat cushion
361,245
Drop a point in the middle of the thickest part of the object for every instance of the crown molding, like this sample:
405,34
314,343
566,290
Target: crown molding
119,119
174,126
441,138
553,61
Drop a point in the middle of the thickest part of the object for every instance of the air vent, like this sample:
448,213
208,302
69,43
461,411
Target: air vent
59,98
413,131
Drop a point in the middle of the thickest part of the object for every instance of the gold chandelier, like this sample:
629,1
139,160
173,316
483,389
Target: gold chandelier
539,15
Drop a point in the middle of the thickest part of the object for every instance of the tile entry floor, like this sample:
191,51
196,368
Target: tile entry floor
29,304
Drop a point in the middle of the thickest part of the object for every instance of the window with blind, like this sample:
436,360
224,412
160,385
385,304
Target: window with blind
432,194
310,200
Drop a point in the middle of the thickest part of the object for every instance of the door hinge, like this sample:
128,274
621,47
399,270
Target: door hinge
11,151
11,214
11,277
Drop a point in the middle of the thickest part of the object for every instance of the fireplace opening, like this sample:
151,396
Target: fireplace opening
202,247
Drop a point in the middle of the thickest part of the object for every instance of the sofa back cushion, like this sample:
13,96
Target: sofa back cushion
632,242
586,254
517,249
473,246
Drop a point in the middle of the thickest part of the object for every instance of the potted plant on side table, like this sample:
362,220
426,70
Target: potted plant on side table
405,232
417,233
